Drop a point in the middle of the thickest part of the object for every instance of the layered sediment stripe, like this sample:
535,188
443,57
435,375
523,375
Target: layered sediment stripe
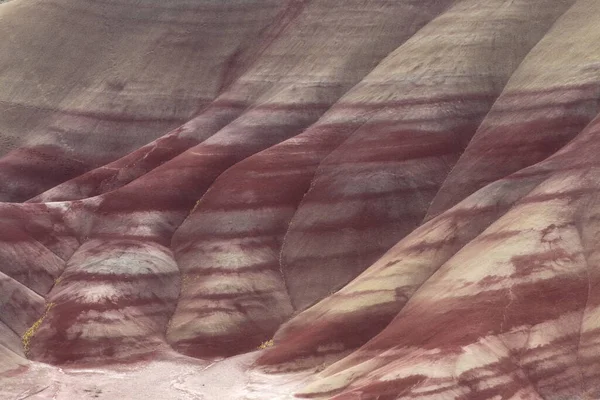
229,247
280,63
558,368
493,366
28,261
115,86
495,298
141,161
113,300
224,262
370,302
553,95
376,188
12,358
588,352
216,241
151,207
20,306
130,214
366,305
35,241
381,292
51,225
485,369
535,278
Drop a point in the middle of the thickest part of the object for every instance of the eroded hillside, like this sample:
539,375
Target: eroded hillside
401,194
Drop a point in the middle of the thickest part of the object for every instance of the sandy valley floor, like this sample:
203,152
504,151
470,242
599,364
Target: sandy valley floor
174,377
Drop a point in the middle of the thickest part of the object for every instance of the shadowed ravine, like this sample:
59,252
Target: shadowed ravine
361,199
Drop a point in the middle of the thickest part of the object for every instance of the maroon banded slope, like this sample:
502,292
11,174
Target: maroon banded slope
229,246
201,176
12,357
85,82
20,307
376,187
513,313
372,300
284,73
553,95
117,290
33,245
286,113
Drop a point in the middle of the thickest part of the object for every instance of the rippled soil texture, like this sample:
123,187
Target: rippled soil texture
278,199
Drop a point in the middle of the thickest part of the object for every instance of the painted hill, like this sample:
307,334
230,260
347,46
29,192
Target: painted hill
402,194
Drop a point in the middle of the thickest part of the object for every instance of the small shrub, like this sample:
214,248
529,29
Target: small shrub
29,333
266,344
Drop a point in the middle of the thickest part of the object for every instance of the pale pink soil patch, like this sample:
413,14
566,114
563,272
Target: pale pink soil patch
167,377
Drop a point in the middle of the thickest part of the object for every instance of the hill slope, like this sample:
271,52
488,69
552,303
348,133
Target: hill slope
401,194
